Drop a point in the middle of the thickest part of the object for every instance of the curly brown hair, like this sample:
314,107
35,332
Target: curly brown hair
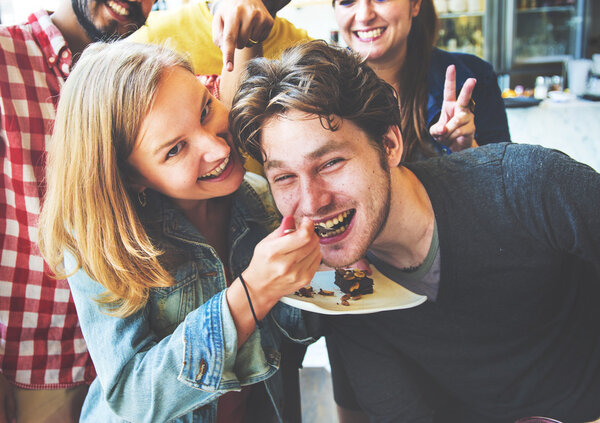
318,79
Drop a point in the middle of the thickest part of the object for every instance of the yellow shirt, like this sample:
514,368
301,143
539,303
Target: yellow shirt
187,30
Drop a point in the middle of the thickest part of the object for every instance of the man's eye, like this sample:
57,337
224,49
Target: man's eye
282,178
346,2
332,163
175,150
206,110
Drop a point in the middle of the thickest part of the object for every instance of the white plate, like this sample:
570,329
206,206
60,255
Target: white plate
387,295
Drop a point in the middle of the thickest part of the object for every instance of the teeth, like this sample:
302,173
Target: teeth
117,8
217,171
324,230
372,33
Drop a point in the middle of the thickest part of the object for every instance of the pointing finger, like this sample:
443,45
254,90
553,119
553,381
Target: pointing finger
230,34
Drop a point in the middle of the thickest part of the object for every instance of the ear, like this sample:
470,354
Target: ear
138,187
392,142
415,7
133,180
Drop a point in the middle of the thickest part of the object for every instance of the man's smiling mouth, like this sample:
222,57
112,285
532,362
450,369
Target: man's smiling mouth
117,8
216,171
334,226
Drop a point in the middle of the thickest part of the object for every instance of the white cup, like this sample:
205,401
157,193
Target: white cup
475,5
596,63
457,6
441,6
577,75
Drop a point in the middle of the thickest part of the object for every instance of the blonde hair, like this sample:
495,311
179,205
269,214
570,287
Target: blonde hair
89,207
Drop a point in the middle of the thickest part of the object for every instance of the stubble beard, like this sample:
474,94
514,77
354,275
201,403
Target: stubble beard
84,17
374,228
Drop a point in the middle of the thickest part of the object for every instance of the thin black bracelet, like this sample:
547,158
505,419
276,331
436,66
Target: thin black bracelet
258,323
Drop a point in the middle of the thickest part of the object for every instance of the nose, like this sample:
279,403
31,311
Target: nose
212,147
314,197
364,11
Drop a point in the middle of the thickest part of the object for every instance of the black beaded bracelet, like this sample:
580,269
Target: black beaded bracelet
258,323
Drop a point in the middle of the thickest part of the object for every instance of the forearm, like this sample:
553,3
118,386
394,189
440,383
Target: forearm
273,6
240,305
230,80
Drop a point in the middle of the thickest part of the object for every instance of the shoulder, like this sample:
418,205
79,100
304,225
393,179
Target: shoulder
467,64
162,24
283,35
254,197
524,162
472,158
257,182
256,187
472,169
10,34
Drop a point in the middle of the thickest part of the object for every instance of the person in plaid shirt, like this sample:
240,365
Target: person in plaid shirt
45,367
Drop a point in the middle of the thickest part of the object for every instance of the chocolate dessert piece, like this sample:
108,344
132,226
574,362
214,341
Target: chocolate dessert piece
306,291
353,282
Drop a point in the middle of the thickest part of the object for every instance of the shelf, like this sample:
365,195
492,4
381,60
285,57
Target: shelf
559,58
546,9
461,14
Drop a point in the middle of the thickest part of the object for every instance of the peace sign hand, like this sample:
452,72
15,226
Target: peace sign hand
456,126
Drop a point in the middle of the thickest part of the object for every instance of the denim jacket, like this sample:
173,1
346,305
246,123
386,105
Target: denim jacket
173,359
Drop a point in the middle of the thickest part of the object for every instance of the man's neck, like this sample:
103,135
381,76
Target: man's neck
65,20
405,240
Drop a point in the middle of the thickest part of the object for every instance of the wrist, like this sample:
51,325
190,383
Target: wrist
261,297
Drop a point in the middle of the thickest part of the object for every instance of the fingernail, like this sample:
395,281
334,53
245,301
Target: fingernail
288,225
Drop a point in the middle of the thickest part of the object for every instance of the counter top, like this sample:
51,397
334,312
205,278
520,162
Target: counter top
572,127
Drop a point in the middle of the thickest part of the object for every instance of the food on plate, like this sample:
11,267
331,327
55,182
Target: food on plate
306,291
519,91
353,282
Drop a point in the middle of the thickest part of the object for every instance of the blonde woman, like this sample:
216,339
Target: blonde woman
151,217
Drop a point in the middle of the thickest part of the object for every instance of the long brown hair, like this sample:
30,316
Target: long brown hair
413,82
90,208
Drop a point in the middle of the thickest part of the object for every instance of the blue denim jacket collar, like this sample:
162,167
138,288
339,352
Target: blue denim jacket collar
247,207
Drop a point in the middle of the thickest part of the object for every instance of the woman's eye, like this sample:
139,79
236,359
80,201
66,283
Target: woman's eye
345,2
206,110
175,150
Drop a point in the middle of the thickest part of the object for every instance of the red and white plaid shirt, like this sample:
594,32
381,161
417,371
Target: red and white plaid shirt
41,345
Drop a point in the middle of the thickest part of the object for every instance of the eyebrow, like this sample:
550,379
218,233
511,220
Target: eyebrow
313,155
171,141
